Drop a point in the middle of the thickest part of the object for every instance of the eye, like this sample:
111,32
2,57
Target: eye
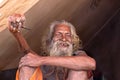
68,34
58,34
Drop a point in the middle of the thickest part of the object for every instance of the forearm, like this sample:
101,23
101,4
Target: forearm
75,63
15,23
24,47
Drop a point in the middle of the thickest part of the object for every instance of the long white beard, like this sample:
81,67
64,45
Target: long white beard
60,48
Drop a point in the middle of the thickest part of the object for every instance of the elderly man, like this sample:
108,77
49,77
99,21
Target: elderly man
65,61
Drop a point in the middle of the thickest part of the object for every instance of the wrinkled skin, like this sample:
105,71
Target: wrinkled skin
78,64
15,29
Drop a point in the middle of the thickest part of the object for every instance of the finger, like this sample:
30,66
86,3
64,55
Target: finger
18,19
23,17
20,66
21,63
11,19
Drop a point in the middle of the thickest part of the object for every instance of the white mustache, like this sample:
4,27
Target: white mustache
60,48
65,44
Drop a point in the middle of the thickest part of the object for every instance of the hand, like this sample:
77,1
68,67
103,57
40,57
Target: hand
16,22
30,59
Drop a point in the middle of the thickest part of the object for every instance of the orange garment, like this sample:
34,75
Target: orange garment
37,75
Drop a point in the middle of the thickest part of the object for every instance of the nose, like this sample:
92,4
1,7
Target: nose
64,38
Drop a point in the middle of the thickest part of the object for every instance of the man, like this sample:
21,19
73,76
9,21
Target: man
65,61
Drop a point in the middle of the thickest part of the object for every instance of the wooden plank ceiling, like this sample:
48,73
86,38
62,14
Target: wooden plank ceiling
8,7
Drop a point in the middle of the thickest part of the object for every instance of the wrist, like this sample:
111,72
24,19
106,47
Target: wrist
42,60
16,33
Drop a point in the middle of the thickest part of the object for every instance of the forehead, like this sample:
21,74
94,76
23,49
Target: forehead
62,27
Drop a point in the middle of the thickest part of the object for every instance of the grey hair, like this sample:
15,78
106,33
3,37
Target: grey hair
77,43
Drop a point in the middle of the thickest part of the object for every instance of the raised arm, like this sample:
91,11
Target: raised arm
15,23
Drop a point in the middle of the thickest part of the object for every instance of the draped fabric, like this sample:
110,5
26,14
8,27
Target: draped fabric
37,75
